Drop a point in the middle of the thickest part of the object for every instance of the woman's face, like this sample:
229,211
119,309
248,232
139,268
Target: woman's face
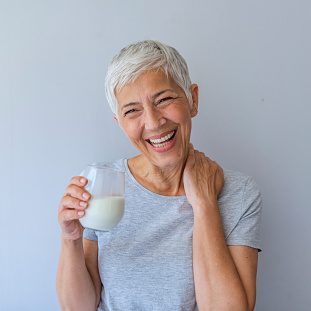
155,115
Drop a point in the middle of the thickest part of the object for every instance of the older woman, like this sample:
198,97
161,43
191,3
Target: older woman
189,238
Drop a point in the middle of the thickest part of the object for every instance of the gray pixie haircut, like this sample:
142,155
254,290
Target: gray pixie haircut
142,56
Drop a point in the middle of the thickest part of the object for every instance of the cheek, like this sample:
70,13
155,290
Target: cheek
185,125
182,117
179,112
132,131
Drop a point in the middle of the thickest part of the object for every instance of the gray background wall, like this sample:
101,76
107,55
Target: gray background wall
251,60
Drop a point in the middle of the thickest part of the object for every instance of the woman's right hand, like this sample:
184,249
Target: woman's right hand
72,207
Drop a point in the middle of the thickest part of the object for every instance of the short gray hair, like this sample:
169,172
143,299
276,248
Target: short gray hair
142,56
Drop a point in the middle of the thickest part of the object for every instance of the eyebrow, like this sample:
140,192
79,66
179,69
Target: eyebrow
153,98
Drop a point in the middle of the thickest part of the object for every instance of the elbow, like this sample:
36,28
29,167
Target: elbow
69,308
251,307
242,306
231,301
232,305
227,307
243,303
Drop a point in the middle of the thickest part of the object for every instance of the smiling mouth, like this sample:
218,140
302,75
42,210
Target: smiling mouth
163,141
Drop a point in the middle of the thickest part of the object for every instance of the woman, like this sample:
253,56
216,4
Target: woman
189,238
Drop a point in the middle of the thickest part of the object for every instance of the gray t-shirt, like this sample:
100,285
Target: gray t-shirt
145,262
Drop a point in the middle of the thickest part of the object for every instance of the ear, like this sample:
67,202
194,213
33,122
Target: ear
115,117
195,99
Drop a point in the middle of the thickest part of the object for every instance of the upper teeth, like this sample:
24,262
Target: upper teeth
162,139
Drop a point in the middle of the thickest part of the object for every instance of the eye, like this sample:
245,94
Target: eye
164,100
130,111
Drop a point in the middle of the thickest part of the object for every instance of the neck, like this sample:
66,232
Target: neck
166,181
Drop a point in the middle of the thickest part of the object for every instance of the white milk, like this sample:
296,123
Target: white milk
103,213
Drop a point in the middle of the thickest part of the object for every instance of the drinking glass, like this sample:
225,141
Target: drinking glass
106,206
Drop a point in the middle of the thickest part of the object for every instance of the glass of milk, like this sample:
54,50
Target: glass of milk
106,206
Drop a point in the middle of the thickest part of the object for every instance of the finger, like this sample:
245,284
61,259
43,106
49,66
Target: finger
68,215
72,203
218,166
77,192
200,157
79,181
207,158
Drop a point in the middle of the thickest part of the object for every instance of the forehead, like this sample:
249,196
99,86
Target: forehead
147,84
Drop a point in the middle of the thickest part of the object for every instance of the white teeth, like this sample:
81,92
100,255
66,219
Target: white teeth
161,145
161,140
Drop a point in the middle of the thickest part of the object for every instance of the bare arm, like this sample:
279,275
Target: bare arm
246,262
224,277
78,283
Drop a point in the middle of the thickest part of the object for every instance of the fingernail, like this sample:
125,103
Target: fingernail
82,180
81,213
86,195
83,204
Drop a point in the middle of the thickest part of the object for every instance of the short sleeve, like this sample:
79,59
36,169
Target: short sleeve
90,234
247,230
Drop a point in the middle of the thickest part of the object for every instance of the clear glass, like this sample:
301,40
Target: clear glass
106,206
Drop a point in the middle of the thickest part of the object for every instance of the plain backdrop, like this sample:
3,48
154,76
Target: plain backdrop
251,60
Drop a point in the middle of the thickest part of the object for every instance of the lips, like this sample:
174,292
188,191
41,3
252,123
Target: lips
161,140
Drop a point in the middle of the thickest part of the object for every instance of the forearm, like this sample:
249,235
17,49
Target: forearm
74,285
217,282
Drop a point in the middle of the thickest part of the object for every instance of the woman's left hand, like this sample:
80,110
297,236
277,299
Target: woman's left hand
203,178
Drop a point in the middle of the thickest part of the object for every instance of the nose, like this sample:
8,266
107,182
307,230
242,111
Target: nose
153,118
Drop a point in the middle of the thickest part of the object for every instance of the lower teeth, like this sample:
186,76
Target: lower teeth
160,145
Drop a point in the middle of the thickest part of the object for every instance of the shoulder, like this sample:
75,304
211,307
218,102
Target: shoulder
239,183
239,194
234,176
